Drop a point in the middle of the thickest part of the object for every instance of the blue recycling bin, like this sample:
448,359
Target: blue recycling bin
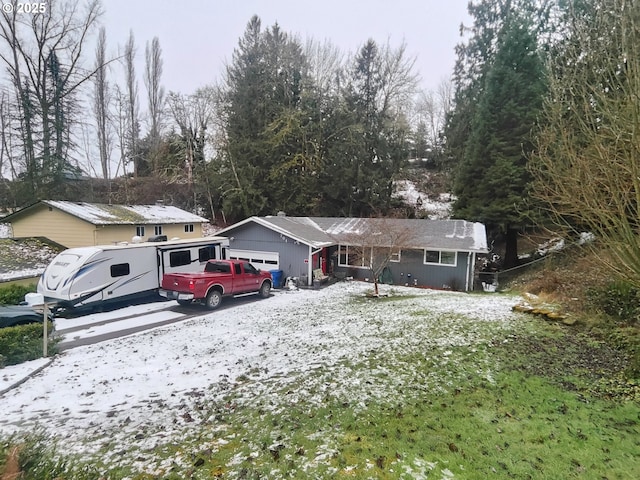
276,275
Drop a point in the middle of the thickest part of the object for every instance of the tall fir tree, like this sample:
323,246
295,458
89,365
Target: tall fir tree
492,181
262,93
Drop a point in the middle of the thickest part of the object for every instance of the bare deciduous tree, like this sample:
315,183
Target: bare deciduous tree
193,114
374,243
155,95
587,164
325,64
42,56
132,107
431,111
101,101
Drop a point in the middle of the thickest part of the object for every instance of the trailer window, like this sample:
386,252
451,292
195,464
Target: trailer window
120,270
179,258
207,253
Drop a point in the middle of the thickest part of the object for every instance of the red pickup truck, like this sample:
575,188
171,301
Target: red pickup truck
220,278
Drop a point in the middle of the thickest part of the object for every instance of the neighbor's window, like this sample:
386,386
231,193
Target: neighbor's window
349,256
157,230
120,270
395,255
140,231
188,228
207,253
439,257
179,258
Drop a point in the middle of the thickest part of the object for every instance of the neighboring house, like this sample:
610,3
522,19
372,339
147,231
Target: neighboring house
81,224
430,253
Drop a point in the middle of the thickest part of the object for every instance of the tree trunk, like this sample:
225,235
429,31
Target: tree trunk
511,248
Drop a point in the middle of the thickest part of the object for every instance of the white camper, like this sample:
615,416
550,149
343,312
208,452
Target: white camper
86,275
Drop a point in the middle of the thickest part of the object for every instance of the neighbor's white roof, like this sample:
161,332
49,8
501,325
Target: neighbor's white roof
103,214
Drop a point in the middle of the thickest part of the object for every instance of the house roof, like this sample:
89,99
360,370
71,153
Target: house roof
25,257
104,214
318,232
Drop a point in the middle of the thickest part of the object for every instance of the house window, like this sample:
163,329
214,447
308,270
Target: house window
120,270
188,228
179,258
140,231
157,230
438,257
395,255
349,256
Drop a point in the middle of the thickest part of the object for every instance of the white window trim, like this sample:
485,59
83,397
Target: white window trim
439,263
340,264
396,257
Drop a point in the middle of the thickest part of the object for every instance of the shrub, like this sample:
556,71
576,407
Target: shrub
23,343
617,299
14,294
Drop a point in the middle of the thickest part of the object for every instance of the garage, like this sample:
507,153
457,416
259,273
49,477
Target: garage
261,260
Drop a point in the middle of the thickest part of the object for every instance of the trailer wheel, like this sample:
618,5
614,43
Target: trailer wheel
265,289
214,297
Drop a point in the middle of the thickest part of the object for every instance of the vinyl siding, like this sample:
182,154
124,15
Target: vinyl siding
251,236
54,225
412,270
109,234
71,232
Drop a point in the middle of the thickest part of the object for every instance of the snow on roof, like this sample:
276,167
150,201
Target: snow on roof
103,214
458,235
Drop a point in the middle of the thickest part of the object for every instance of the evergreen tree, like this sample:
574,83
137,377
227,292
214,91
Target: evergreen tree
263,122
491,184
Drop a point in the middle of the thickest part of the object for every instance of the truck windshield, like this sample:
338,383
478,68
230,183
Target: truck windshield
213,267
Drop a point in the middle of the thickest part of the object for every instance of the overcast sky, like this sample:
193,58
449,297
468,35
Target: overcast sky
198,36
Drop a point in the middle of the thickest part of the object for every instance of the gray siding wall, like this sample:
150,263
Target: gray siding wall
252,236
412,270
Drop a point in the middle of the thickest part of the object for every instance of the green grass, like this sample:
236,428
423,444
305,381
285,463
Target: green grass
517,426
525,399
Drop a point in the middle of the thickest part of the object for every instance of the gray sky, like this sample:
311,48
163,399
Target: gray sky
198,36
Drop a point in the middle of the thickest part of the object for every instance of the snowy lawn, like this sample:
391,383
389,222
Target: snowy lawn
150,402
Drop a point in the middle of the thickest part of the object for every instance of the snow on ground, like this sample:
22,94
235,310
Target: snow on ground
435,209
5,230
130,394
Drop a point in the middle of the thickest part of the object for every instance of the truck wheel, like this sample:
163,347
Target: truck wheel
265,289
214,297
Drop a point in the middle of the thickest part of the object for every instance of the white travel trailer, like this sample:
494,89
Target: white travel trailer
88,275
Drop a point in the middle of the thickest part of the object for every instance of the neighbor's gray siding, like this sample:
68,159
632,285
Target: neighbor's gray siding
412,263
252,236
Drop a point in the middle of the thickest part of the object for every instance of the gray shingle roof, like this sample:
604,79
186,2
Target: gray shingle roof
318,232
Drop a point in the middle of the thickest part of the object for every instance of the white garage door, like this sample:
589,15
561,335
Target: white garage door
262,260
